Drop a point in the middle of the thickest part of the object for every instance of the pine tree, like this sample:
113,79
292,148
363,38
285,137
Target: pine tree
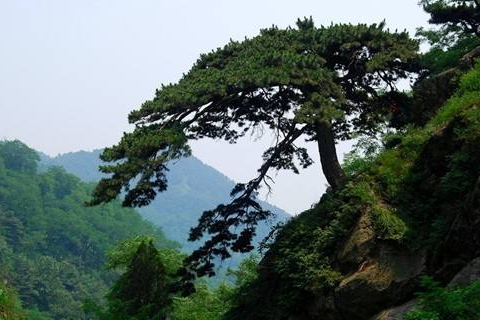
323,84
143,291
454,15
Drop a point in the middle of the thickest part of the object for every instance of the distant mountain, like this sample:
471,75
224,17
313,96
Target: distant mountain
193,187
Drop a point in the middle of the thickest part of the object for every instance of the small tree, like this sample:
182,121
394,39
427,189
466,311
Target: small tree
459,28
144,290
10,307
323,84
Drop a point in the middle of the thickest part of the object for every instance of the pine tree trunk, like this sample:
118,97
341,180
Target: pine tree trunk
328,155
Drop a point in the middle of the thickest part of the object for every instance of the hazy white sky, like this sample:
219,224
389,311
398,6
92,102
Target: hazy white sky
71,70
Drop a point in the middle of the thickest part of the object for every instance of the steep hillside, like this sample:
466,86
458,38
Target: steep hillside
52,248
193,188
412,209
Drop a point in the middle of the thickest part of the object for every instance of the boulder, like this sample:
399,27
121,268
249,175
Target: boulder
387,279
358,245
467,275
396,313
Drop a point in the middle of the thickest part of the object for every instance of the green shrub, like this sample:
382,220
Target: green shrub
437,303
10,308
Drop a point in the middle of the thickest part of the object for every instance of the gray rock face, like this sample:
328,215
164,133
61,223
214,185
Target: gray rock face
378,274
396,313
467,275
386,279
359,243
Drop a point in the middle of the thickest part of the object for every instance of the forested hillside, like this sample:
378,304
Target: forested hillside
52,248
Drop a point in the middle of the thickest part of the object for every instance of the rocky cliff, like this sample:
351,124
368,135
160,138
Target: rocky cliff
411,210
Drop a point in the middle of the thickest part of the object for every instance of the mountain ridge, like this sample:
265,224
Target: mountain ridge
193,188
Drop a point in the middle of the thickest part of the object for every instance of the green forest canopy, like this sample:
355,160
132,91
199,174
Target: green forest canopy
52,248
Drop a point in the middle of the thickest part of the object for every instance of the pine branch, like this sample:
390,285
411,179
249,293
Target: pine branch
243,210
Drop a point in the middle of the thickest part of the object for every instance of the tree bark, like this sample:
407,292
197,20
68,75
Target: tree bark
328,155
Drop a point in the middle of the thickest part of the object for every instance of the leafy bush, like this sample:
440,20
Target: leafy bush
439,59
437,303
9,304
204,304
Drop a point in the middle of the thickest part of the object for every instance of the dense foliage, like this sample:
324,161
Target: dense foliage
52,248
145,289
456,34
439,303
10,308
148,286
454,15
213,304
